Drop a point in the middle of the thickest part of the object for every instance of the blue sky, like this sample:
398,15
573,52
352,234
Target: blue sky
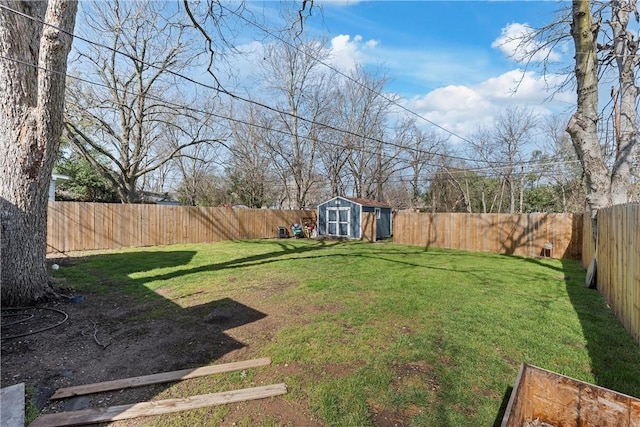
452,39
448,60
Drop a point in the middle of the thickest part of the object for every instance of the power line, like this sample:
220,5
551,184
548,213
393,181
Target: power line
401,146
336,70
224,91
456,171
195,110
221,90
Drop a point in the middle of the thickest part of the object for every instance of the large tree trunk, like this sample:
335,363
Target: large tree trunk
583,124
32,84
625,48
604,187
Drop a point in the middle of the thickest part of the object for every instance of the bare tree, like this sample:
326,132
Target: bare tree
421,146
333,153
34,45
600,52
450,187
624,48
583,124
249,165
560,165
294,75
502,147
363,113
128,116
195,168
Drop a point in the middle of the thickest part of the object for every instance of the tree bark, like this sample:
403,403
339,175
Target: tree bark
32,85
582,126
625,48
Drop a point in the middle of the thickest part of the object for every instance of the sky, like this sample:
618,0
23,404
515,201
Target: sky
451,62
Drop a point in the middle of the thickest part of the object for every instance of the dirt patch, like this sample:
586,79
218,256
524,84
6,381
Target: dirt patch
110,336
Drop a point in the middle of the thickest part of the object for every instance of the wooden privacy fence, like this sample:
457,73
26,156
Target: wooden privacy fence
552,235
75,226
618,261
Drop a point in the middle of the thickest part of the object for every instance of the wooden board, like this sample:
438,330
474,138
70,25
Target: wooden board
558,400
144,409
163,377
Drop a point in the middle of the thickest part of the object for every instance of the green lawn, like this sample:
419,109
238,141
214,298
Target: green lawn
428,337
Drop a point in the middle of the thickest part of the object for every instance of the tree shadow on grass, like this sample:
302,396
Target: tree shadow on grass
240,262
614,356
119,328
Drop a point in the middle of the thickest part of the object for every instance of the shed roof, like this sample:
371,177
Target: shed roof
367,202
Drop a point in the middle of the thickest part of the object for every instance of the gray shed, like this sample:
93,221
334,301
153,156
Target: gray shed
342,217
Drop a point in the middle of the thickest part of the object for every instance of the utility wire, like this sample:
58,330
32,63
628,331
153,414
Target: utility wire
221,90
348,77
272,129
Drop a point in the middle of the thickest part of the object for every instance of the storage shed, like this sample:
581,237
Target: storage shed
344,217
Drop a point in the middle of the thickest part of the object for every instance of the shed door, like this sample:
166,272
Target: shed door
338,223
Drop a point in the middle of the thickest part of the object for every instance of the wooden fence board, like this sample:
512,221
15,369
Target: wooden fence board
75,226
499,233
618,261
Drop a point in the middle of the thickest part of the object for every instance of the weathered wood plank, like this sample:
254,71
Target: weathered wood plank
158,378
556,399
144,409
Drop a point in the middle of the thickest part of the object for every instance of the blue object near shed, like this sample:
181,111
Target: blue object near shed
342,217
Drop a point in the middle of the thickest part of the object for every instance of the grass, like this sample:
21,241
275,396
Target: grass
30,408
430,337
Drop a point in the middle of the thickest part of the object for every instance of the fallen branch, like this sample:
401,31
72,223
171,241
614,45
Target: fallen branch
95,336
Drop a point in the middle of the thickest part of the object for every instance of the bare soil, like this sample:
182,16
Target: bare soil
111,336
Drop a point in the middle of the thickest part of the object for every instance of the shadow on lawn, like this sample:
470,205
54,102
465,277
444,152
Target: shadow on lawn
120,328
260,259
615,357
190,337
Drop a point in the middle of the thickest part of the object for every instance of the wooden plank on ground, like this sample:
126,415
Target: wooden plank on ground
144,409
163,377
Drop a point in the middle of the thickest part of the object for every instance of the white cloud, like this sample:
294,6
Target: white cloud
516,41
345,52
464,109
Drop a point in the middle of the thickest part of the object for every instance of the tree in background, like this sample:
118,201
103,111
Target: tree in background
363,114
199,181
85,183
421,148
334,152
201,188
249,166
300,88
503,148
134,115
32,88
562,171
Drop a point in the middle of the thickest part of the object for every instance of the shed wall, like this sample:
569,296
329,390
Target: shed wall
354,216
383,224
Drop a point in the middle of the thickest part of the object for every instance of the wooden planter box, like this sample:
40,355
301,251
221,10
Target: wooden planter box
542,398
